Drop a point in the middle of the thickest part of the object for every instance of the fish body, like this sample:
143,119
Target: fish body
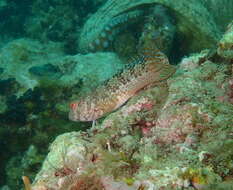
153,66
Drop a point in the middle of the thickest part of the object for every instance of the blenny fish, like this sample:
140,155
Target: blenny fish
151,67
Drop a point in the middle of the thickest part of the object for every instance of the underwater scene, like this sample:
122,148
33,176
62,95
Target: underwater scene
116,95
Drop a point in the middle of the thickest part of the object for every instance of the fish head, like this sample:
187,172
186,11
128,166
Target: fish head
84,111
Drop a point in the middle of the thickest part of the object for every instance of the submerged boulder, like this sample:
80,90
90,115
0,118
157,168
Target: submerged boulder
164,137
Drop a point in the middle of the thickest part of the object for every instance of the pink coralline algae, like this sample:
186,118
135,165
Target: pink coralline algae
141,104
173,126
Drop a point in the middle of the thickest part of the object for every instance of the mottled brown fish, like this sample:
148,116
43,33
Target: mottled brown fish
152,67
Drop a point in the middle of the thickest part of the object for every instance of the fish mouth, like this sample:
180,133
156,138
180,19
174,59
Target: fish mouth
82,117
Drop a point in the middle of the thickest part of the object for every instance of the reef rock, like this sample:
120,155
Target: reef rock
177,134
24,54
38,64
225,47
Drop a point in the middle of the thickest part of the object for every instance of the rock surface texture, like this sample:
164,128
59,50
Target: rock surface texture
177,135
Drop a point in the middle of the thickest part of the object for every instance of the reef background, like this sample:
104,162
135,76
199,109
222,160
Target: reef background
43,67
35,32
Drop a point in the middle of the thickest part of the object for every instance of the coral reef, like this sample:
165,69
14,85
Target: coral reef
23,54
35,97
175,135
30,163
37,63
59,20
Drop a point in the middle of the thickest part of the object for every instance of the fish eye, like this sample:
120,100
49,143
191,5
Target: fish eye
73,106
